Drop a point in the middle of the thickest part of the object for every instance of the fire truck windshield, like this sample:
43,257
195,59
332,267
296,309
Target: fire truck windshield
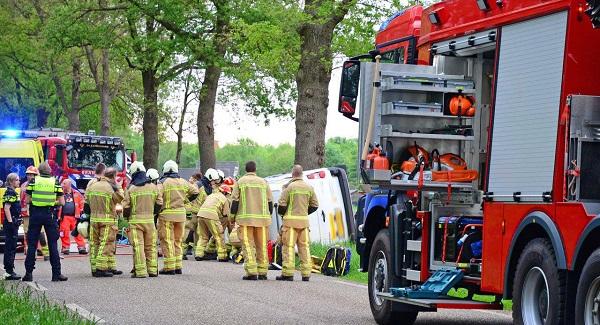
14,165
86,156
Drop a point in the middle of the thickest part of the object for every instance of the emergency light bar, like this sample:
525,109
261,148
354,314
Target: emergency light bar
15,134
92,139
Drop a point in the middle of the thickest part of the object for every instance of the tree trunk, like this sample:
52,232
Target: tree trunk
105,97
312,80
73,113
150,119
206,114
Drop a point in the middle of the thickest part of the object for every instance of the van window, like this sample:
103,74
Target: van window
14,165
60,151
393,56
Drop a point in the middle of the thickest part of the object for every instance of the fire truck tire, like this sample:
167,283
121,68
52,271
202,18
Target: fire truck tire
587,307
539,288
380,280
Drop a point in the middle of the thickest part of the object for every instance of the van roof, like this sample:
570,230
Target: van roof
17,148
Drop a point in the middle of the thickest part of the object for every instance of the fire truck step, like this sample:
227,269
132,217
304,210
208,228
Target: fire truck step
423,304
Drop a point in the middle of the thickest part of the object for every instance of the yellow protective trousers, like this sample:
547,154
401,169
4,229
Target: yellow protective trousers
290,237
171,237
142,236
191,225
254,248
102,239
213,228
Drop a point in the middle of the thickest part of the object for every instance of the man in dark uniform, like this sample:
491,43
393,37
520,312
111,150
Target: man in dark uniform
44,193
12,219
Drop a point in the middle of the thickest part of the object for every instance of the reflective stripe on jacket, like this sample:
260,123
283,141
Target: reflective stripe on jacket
297,196
194,206
215,207
173,193
253,194
141,201
102,199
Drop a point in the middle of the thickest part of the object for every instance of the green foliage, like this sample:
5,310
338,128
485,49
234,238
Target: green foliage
343,152
23,306
319,250
270,160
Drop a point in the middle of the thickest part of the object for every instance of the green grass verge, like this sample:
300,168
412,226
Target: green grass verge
354,275
20,306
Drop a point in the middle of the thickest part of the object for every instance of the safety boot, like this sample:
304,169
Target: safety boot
250,277
12,276
28,277
184,257
116,272
178,271
284,278
305,278
59,277
66,252
199,258
104,274
262,277
152,275
226,259
138,276
82,251
164,272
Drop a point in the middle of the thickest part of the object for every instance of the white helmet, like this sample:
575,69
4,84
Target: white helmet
82,228
170,167
152,174
221,175
212,174
137,166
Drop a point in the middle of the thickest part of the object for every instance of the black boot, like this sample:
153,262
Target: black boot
82,251
199,258
226,259
250,277
28,277
12,276
166,272
305,278
104,274
116,272
178,271
184,257
284,278
262,277
59,277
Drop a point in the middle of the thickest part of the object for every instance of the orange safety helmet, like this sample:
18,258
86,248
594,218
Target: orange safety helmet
229,181
460,105
419,152
225,189
32,170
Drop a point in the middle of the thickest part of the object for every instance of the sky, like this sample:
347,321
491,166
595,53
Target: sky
228,129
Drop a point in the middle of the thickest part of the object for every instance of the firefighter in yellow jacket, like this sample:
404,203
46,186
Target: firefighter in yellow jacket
173,191
139,206
191,224
101,199
253,205
212,211
296,202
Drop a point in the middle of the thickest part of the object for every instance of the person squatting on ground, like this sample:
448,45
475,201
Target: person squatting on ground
101,199
173,191
253,205
11,222
42,245
139,207
44,194
214,208
192,208
296,202
69,214
214,179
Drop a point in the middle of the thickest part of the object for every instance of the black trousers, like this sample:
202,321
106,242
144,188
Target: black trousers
11,233
42,218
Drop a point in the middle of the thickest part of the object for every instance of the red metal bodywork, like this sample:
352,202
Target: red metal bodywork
400,30
580,74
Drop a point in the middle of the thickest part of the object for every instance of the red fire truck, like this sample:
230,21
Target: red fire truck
481,159
75,155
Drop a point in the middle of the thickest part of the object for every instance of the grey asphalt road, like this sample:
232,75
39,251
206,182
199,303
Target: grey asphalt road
213,293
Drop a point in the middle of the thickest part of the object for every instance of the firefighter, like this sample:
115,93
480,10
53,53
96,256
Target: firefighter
173,191
296,202
43,195
139,207
215,207
68,218
99,172
253,205
215,178
42,245
192,208
101,200
11,222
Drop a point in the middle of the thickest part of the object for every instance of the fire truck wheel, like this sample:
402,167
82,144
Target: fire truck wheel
539,288
380,280
587,308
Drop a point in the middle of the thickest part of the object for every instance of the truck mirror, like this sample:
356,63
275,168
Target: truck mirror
349,88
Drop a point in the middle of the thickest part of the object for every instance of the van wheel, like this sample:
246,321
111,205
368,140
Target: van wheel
587,307
539,288
380,280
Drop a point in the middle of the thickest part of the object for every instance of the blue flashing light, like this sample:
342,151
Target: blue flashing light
11,133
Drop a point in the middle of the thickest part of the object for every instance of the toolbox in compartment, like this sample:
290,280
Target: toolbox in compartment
458,238
399,107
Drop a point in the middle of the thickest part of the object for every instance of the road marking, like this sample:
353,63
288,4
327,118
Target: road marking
362,286
85,313
36,286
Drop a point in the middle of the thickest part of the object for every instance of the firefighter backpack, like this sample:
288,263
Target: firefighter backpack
336,261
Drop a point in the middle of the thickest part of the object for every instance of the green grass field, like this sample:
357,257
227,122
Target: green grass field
354,275
20,307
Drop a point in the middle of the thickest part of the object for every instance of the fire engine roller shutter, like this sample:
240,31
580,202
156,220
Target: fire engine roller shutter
527,105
